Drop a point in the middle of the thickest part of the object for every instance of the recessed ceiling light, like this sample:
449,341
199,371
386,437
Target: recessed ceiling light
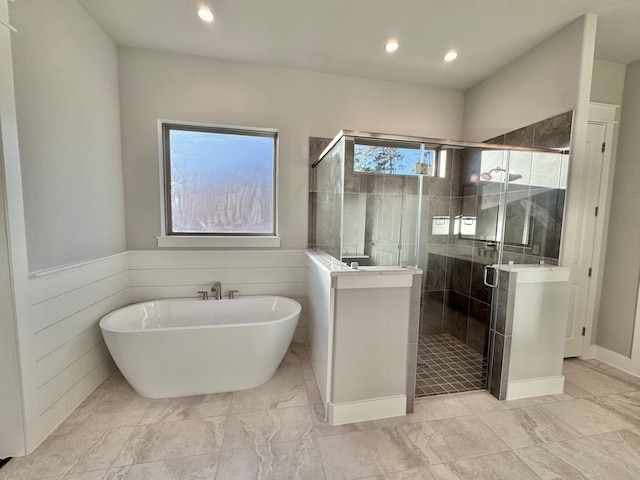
205,14
391,46
450,56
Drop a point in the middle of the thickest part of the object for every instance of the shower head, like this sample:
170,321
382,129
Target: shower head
487,175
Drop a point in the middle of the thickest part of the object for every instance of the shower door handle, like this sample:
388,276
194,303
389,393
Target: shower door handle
486,275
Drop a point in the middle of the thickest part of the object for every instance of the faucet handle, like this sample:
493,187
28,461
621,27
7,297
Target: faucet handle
232,294
205,294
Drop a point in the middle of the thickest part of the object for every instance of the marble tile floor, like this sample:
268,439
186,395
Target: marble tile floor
276,431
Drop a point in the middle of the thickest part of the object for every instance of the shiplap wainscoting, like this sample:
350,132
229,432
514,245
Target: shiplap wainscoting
63,355
155,274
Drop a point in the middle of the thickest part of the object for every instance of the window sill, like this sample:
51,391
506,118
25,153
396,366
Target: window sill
185,241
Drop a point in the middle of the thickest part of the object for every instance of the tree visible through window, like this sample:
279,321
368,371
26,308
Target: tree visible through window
390,159
219,180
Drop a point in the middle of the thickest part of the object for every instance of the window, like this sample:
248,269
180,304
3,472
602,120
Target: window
219,180
395,158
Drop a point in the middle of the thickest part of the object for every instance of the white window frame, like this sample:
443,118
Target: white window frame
178,240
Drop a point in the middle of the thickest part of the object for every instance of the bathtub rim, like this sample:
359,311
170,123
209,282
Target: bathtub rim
106,326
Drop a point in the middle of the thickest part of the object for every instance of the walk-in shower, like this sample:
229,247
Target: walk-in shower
451,209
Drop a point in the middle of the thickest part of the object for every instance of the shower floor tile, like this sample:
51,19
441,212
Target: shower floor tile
447,365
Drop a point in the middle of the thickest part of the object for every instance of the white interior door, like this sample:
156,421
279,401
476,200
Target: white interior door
582,274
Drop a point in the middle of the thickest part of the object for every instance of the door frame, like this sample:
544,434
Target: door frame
605,115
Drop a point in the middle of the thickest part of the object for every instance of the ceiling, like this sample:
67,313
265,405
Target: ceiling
346,37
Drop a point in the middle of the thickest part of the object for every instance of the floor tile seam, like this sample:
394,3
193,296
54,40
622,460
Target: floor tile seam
565,440
105,469
536,443
217,453
584,435
445,418
608,407
551,402
188,419
368,476
488,455
633,387
247,412
99,437
322,459
595,368
298,437
318,434
115,457
613,393
225,431
471,457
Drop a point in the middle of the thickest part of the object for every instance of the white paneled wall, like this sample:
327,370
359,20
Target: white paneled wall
62,351
171,274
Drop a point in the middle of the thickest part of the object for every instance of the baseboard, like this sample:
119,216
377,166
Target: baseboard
300,335
621,362
535,387
589,352
362,411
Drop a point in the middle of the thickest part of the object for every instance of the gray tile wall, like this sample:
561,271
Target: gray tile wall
329,197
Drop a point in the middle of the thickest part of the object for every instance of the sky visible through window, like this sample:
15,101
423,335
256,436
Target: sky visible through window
221,183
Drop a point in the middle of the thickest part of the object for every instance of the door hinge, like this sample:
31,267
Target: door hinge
596,211
584,331
590,271
604,145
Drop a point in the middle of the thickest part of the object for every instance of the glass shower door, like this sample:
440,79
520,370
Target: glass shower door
532,206
461,228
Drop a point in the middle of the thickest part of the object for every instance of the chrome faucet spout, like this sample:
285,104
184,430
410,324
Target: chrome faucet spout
216,290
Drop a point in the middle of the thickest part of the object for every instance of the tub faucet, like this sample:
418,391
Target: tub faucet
216,290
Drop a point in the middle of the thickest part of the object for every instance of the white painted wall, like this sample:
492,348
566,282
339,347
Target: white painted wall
544,82
622,264
299,104
66,90
12,439
607,83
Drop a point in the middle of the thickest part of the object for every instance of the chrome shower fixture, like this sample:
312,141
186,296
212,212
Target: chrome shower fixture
487,175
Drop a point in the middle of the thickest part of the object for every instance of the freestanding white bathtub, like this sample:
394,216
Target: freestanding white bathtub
175,348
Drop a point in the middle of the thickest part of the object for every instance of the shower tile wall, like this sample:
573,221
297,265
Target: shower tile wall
547,206
316,147
455,300
327,180
380,212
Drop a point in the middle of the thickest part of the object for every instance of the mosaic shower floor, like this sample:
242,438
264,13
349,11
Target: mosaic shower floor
447,365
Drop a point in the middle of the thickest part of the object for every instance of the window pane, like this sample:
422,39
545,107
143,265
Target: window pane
392,160
221,182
